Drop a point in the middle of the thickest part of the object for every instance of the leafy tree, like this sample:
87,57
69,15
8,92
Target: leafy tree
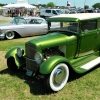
86,6
50,4
97,5
2,4
43,5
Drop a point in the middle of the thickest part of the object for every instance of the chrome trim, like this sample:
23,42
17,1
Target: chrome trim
2,37
30,59
2,34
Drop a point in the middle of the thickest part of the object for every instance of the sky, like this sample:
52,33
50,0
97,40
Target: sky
77,3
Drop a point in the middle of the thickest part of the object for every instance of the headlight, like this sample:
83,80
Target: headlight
20,52
38,57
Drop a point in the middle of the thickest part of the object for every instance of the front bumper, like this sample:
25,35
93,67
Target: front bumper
2,36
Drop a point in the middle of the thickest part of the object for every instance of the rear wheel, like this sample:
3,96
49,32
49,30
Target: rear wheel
58,77
11,64
10,35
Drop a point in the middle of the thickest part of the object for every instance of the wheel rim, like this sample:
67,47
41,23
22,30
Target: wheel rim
10,35
59,77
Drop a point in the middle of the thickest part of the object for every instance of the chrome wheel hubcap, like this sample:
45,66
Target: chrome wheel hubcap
59,76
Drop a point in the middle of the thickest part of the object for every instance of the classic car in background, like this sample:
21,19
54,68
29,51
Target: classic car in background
23,26
75,45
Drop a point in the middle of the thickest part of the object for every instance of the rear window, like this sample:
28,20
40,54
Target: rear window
48,11
89,25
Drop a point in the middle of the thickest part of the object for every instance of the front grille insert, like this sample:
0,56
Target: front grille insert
30,52
31,65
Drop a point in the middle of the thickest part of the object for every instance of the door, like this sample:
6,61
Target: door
88,40
36,29
98,34
54,12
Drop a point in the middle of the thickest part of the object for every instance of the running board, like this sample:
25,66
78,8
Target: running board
91,64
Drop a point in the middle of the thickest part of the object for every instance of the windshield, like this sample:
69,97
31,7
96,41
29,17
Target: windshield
19,21
59,11
64,26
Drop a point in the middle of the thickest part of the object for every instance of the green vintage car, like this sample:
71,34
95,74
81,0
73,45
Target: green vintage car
74,44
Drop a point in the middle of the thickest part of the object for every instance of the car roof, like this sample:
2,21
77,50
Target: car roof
74,17
29,17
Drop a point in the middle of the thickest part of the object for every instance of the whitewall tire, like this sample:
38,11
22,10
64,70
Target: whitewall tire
59,77
10,35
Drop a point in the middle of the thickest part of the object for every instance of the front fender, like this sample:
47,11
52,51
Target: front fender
47,66
13,53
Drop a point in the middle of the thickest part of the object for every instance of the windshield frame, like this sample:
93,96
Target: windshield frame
70,26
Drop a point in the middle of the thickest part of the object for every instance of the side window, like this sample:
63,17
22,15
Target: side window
54,12
88,25
35,21
48,11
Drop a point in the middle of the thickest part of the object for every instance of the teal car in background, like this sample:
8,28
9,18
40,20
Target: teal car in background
75,45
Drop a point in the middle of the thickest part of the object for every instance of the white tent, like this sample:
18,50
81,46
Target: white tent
18,5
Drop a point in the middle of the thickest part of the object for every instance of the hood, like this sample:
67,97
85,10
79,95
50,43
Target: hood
51,40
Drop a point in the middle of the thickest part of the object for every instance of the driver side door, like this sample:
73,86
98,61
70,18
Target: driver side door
88,41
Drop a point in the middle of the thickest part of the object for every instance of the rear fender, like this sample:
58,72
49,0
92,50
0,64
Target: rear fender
13,53
47,66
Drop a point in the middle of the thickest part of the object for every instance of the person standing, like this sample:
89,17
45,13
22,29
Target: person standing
12,12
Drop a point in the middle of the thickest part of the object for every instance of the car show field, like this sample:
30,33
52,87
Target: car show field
19,86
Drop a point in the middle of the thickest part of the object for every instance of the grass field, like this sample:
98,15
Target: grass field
4,21
18,86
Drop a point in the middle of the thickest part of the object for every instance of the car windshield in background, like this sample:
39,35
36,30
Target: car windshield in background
59,11
65,26
19,21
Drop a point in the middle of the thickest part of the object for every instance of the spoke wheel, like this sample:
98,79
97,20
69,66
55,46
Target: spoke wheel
58,77
10,35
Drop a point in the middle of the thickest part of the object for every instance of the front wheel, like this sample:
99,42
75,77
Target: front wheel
11,64
58,77
10,35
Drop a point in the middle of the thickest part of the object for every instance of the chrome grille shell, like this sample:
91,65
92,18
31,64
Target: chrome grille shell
30,50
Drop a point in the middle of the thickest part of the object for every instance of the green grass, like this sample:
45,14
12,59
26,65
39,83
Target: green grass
18,86
5,21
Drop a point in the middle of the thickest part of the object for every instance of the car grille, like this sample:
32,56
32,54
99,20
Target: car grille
30,51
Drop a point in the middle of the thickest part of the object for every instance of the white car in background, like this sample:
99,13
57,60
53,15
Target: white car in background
45,13
23,27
